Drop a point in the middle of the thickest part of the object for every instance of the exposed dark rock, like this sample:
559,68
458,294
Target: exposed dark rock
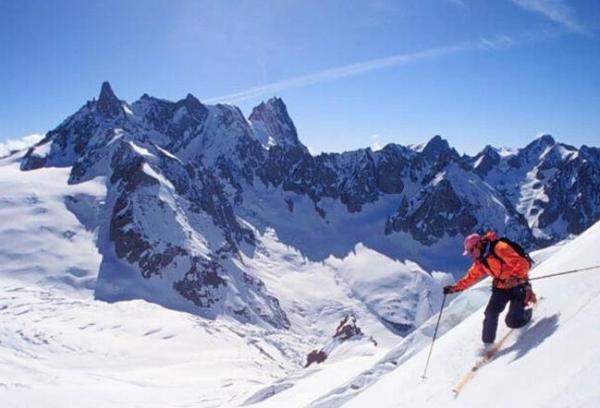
390,170
438,148
192,165
486,161
347,330
108,104
31,161
290,204
273,119
437,211
201,283
129,243
315,356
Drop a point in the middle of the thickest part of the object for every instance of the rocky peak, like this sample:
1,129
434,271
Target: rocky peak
194,107
273,125
489,150
546,140
540,144
273,107
590,153
202,161
108,104
437,147
486,160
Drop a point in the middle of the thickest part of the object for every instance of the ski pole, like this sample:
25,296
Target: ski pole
565,273
434,336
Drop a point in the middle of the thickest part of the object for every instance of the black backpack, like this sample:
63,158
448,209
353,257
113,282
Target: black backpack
515,246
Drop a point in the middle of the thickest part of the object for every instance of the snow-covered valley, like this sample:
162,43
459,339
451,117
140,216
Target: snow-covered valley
57,343
59,346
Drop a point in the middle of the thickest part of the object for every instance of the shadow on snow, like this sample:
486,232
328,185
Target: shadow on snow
533,336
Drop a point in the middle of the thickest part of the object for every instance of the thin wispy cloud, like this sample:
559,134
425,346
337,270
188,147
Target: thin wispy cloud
10,145
556,10
460,3
345,71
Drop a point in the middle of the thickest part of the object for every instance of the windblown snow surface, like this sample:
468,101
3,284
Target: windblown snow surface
61,348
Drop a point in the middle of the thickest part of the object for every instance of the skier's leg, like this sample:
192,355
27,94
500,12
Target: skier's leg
517,315
496,305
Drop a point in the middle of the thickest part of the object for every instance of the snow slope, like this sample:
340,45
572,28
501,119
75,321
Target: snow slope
58,350
343,382
554,362
40,239
59,346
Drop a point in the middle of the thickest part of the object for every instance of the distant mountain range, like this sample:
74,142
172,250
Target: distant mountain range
193,188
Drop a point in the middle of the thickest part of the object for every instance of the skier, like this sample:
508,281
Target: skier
508,264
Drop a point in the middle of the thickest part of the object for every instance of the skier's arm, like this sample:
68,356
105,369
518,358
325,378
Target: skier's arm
475,272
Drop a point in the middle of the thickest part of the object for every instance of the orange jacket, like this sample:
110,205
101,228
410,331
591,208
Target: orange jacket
508,271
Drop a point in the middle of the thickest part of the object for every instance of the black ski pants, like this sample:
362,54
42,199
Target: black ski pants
516,317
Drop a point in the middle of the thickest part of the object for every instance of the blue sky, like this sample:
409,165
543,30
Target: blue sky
352,73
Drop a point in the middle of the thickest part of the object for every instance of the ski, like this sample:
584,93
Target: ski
480,363
489,356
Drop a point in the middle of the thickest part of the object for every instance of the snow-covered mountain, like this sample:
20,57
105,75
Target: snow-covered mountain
60,346
193,190
181,206
553,185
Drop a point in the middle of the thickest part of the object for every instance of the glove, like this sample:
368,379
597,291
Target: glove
449,289
530,297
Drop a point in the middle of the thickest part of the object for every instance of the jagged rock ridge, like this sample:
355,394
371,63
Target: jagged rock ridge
181,177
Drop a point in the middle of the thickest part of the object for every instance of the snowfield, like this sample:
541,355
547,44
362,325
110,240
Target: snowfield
41,241
61,348
404,350
553,362
59,351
